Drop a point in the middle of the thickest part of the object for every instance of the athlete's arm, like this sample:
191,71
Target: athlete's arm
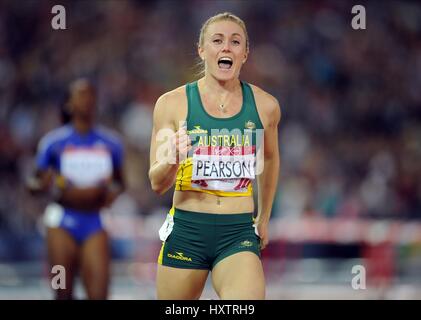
267,181
40,182
48,181
115,187
166,144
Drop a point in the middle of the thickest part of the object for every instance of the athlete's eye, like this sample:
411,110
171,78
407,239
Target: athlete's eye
217,41
236,42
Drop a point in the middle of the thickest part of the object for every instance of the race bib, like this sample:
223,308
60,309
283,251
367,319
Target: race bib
207,167
86,167
223,168
228,185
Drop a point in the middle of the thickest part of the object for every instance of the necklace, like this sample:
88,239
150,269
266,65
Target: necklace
224,102
224,99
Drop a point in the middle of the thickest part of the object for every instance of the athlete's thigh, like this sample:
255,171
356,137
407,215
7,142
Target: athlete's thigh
95,265
63,251
239,276
179,284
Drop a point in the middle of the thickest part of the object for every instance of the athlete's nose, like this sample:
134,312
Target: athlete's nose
226,47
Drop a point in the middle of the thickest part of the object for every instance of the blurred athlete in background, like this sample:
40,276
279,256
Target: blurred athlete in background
211,226
81,166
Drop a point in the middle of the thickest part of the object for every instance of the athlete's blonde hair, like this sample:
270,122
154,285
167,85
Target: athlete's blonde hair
225,16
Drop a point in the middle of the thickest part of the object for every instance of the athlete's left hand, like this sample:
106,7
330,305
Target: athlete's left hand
112,191
262,230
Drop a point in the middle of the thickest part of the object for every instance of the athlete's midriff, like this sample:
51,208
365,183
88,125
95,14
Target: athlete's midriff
209,203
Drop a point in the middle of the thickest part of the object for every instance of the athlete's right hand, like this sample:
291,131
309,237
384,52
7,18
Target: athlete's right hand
181,144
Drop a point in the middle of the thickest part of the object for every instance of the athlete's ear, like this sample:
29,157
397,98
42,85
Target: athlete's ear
201,53
245,56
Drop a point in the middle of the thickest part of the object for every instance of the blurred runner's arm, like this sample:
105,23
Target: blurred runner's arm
85,199
116,186
40,182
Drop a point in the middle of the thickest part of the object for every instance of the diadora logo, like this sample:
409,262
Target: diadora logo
179,256
197,130
250,125
246,243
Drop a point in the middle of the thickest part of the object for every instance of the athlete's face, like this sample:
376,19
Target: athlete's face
83,99
224,50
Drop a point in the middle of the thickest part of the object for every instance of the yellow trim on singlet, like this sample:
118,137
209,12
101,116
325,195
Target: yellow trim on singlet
183,182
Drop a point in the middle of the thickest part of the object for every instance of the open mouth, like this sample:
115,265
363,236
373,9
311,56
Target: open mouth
225,63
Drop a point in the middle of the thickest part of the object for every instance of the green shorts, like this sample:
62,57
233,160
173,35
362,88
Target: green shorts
200,240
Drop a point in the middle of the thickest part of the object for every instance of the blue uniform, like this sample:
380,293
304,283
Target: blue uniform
85,160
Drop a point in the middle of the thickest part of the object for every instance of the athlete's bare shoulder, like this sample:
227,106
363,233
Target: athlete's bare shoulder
174,95
172,106
267,106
